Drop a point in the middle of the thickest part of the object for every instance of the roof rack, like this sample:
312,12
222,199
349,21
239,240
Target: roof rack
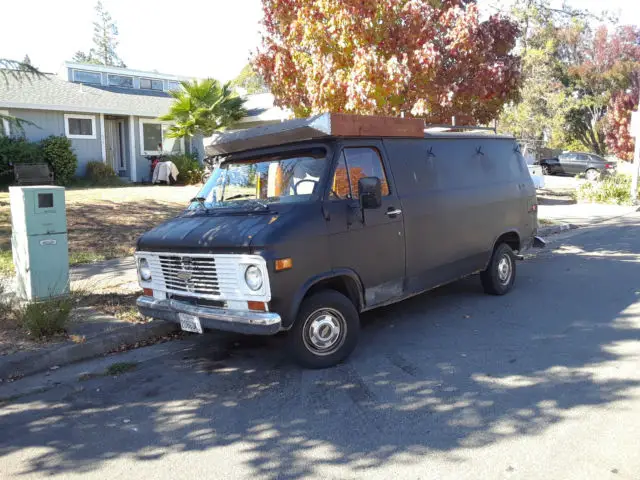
448,128
325,125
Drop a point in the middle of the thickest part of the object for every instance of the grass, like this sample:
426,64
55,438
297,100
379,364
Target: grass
46,318
117,304
104,223
120,368
6,262
545,222
611,189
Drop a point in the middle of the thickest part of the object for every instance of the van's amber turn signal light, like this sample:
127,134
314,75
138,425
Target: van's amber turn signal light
258,306
284,264
147,292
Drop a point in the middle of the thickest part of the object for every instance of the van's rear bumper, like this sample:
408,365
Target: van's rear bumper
240,321
538,242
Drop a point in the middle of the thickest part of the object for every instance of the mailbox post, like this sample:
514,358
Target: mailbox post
39,241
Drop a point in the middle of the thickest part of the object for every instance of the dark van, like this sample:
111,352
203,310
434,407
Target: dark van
307,223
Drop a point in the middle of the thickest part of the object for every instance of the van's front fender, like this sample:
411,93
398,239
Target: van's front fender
340,279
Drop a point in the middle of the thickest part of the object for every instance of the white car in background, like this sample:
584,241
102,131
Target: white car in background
536,175
535,171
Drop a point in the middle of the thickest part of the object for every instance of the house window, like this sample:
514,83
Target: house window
150,84
171,85
80,126
120,81
87,77
155,139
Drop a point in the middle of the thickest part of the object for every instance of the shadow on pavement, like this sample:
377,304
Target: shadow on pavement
445,370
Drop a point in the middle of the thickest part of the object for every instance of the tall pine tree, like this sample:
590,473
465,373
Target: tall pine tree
105,33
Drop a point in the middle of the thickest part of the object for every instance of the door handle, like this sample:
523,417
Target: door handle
392,212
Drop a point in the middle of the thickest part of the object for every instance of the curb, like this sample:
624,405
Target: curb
554,229
27,363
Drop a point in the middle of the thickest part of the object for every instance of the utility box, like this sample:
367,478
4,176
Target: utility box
39,241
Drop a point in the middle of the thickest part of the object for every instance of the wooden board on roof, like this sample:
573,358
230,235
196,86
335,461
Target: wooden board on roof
318,126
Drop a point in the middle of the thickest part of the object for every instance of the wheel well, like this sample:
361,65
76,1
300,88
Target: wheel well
343,284
511,238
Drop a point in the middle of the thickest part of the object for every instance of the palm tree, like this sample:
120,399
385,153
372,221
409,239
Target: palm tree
20,71
203,107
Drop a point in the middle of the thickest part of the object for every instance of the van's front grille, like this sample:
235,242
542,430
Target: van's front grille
190,274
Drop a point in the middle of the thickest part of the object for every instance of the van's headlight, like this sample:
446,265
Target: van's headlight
253,277
143,268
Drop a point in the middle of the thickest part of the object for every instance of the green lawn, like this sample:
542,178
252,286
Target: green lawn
104,223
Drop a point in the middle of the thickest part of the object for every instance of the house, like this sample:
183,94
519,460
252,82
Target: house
109,114
261,110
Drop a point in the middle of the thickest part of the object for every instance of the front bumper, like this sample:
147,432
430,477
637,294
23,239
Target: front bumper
240,321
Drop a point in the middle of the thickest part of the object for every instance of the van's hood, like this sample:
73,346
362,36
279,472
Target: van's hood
205,232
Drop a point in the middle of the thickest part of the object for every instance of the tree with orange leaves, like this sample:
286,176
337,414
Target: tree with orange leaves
420,58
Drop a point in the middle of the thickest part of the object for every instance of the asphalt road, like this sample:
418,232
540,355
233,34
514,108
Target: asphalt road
542,383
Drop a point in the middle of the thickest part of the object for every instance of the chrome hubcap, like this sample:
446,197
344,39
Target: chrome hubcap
504,270
592,175
324,331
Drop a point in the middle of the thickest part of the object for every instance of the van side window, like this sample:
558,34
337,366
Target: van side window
340,187
356,163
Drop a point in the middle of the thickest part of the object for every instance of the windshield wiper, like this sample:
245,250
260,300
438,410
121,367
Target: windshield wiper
241,195
200,201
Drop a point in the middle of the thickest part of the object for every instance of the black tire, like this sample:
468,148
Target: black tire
592,174
546,170
493,278
324,310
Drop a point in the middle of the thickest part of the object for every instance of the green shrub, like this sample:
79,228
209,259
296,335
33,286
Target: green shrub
614,189
16,150
99,170
102,175
190,169
46,318
57,152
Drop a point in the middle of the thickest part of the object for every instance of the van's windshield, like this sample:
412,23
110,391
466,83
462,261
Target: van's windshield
262,181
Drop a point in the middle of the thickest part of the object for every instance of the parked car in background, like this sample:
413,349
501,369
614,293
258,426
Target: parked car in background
575,163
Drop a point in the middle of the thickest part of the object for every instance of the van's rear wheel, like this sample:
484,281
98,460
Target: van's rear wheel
325,331
500,275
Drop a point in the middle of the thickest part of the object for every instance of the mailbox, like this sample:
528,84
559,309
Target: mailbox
39,241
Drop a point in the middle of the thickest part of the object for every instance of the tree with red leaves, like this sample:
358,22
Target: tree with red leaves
422,58
602,66
619,139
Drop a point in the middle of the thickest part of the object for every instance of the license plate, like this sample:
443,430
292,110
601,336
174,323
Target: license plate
190,323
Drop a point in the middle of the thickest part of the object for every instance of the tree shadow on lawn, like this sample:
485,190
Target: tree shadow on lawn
448,370
112,228
104,229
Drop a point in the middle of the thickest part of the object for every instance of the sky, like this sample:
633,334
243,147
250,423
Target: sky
199,38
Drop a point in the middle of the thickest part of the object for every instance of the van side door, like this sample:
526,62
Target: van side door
369,242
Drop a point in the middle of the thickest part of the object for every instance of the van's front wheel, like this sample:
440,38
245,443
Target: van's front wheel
500,275
325,331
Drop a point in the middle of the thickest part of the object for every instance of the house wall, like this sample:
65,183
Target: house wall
49,122
142,164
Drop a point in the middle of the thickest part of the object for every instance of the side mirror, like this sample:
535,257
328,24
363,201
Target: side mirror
370,192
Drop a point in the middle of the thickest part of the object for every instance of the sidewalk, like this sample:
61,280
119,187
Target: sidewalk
582,214
90,333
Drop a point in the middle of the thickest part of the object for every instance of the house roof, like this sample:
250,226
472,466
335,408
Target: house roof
261,108
52,93
120,71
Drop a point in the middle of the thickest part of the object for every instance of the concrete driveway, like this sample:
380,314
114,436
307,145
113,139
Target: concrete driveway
541,383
